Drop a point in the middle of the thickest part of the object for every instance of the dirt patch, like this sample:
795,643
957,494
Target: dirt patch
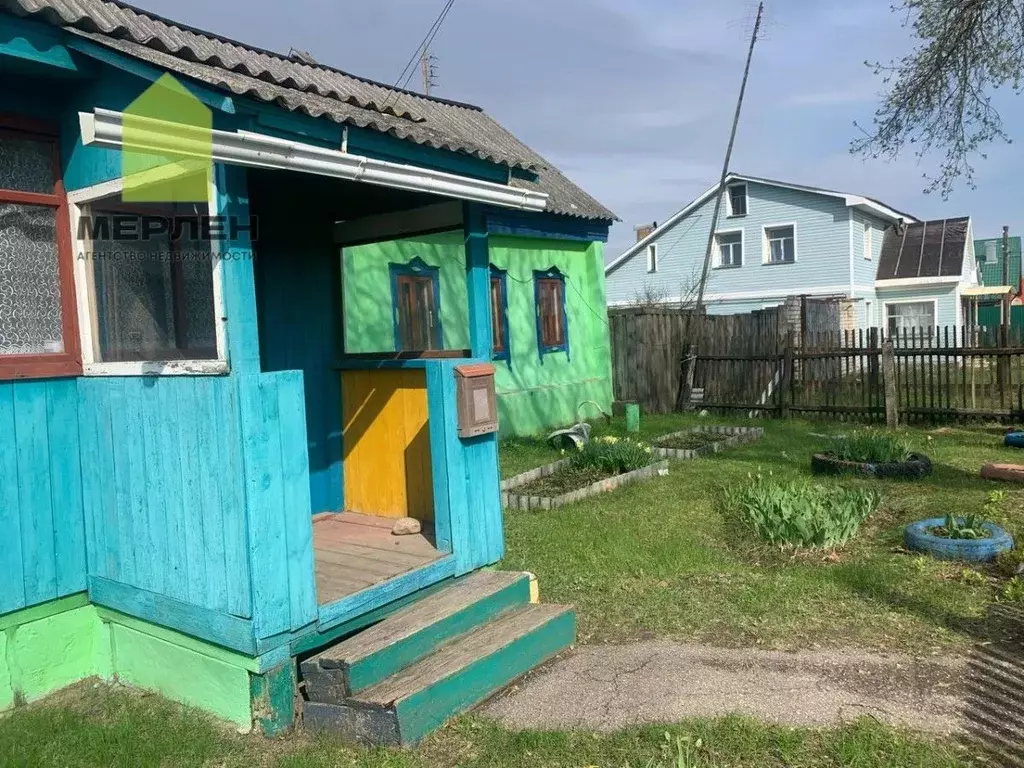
691,441
562,481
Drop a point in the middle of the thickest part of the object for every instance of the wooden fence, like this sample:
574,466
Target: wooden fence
930,374
650,343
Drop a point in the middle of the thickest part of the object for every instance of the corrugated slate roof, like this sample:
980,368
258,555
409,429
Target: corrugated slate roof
318,91
925,249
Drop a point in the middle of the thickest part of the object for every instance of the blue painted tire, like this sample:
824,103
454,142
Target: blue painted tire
1014,439
917,538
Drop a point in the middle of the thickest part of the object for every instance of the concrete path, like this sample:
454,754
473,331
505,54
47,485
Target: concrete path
608,687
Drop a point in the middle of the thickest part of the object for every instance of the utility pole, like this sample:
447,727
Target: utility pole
428,71
1006,275
690,363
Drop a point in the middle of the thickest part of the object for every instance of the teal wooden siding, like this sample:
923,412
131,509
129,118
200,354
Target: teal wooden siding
468,493
41,522
163,492
822,251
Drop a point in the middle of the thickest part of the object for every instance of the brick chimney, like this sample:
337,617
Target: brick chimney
644,230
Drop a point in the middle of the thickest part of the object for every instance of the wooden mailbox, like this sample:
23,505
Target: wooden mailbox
477,403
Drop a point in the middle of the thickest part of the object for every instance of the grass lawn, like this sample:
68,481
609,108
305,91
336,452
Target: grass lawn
103,728
662,558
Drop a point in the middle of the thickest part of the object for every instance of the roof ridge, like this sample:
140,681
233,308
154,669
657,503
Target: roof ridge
214,36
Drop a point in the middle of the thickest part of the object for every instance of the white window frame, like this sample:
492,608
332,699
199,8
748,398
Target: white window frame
718,248
895,302
728,199
869,240
85,298
766,250
995,252
652,258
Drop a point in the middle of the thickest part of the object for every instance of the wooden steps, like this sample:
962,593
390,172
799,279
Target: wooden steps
395,682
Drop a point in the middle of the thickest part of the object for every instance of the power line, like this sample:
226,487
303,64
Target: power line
410,67
683,397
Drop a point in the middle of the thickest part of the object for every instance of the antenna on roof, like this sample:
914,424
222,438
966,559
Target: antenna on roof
428,69
690,362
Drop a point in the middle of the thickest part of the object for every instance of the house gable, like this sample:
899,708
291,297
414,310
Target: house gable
821,230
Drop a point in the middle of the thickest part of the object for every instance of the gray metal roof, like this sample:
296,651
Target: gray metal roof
319,91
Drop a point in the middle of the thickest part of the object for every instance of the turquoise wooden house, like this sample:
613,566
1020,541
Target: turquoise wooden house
199,481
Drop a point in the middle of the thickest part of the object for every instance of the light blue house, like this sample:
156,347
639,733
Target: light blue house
774,239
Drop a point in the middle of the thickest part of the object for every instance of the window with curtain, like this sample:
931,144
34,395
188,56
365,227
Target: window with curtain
730,249
781,242
152,292
37,313
910,317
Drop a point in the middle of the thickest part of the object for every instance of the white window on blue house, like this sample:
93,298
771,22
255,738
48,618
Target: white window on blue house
730,249
909,317
652,257
780,244
736,200
868,240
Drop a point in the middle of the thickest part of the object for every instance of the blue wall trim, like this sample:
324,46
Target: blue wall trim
478,281
35,42
504,221
227,631
416,267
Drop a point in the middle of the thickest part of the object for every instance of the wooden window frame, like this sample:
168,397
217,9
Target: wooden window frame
81,201
550,277
418,270
499,316
69,362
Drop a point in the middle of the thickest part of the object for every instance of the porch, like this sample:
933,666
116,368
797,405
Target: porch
354,552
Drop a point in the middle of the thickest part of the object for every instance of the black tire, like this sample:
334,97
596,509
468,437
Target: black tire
915,467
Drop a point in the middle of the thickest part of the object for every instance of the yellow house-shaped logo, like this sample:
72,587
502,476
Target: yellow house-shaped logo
166,154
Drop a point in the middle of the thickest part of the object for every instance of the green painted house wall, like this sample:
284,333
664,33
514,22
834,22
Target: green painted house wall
534,393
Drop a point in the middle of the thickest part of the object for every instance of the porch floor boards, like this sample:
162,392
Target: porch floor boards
353,552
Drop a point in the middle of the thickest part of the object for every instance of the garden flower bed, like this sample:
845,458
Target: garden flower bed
871,453
700,441
602,465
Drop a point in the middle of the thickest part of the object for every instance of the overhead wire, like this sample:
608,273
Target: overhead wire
410,67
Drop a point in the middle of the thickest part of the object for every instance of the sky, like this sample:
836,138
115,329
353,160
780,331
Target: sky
633,99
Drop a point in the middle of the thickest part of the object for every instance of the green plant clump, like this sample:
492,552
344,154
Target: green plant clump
611,454
1013,591
801,514
869,445
966,527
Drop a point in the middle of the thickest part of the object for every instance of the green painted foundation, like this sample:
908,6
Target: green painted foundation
51,646
535,392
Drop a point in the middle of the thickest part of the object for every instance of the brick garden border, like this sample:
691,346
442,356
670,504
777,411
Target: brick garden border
733,436
514,501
